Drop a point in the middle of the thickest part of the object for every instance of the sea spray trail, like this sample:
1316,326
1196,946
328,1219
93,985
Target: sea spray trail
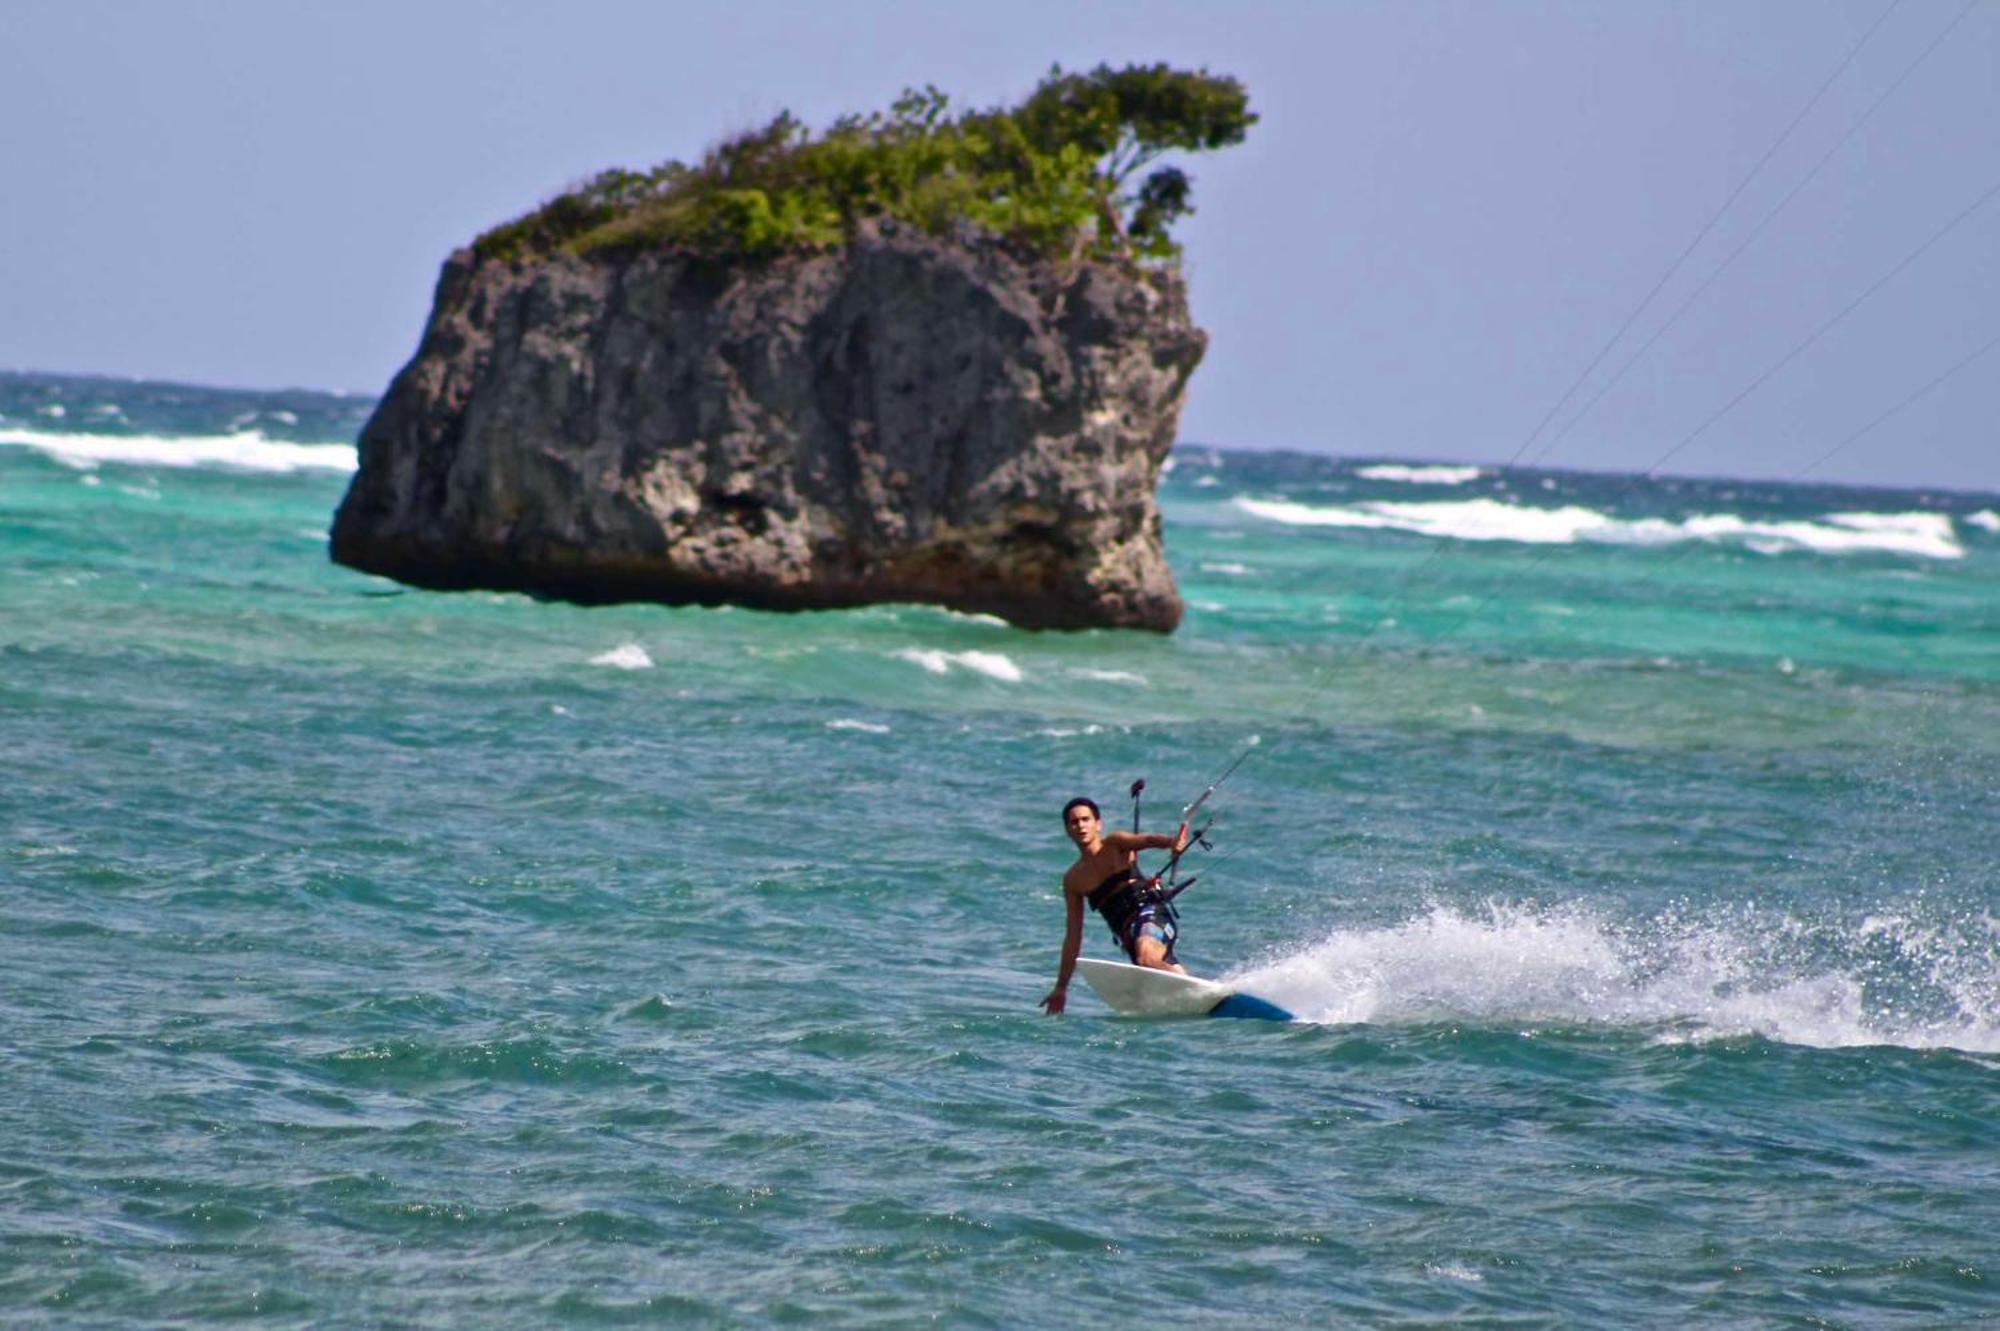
1880,980
382,957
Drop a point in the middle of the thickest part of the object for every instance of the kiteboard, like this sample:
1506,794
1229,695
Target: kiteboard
1140,991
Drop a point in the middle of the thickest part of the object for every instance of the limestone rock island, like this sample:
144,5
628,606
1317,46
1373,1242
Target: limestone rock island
919,357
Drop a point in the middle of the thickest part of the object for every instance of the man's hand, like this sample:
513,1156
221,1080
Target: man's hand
1057,1000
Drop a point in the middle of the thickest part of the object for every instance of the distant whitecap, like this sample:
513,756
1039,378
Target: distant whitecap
866,727
1419,475
1924,535
993,665
1985,519
969,616
630,656
938,663
243,451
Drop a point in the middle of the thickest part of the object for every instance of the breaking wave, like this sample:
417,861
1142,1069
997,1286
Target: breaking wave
628,656
1890,979
1419,475
1110,676
1926,535
993,665
244,451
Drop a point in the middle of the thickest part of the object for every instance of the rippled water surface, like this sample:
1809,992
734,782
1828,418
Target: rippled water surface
379,957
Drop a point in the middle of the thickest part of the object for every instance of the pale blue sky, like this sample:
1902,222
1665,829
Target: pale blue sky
1446,212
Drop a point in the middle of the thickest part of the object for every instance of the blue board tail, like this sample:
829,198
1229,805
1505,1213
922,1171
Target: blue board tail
1249,1007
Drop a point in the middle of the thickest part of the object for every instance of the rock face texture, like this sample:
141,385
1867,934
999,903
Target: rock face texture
905,419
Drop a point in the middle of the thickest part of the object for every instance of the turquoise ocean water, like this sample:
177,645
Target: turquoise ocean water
373,957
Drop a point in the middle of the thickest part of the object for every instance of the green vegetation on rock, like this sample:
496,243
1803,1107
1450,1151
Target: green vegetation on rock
1053,176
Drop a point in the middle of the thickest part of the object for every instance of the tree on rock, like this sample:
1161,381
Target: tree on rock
1050,176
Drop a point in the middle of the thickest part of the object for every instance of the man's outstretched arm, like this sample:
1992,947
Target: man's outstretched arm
1148,840
1072,944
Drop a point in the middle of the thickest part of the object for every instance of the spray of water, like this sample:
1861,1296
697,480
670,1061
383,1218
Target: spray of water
1885,979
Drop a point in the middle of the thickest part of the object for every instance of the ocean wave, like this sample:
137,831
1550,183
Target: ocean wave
1110,676
1926,535
1419,475
1985,519
628,656
1890,980
993,665
865,727
244,451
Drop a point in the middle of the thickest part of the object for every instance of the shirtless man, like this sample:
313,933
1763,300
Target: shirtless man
1106,874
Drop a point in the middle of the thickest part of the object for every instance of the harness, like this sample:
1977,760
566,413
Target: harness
1128,903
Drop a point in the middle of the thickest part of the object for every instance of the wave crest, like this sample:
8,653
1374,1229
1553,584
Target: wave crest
1434,474
243,451
994,665
1925,535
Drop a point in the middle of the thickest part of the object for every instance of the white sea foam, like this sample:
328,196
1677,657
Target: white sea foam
866,727
1428,475
629,656
1068,732
1226,568
1926,535
1985,519
1731,975
961,616
994,665
1111,676
243,451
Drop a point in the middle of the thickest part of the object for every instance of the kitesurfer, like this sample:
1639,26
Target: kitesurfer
1106,875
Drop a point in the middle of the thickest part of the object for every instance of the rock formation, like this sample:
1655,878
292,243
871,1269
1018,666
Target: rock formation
903,418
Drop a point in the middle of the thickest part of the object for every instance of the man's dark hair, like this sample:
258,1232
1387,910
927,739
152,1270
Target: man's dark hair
1080,801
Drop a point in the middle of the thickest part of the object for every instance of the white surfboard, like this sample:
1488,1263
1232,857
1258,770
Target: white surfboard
1139,991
